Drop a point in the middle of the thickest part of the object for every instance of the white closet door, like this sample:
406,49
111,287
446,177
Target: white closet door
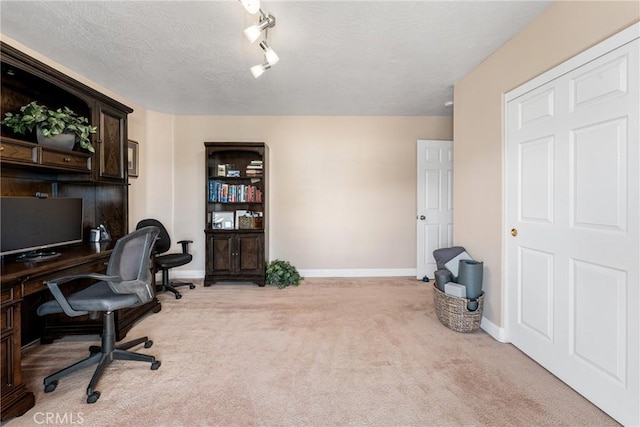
573,191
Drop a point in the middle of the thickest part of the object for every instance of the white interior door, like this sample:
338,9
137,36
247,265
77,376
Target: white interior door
572,204
435,202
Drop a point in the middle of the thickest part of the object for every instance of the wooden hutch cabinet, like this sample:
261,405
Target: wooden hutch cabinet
27,168
236,214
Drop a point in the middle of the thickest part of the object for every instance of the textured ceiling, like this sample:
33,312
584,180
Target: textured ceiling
388,58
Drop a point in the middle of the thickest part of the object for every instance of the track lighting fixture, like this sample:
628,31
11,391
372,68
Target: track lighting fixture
254,32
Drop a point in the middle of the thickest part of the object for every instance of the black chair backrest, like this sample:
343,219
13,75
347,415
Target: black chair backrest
131,262
163,243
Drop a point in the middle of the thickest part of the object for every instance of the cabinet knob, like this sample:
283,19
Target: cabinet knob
1,148
67,159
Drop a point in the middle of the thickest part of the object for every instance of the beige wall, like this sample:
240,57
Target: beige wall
151,194
561,32
342,190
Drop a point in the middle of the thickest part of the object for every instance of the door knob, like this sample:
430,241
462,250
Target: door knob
422,217
514,232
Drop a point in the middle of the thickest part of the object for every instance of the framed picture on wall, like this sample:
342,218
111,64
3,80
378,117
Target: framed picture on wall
132,158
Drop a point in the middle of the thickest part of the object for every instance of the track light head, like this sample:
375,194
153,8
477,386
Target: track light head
258,70
251,6
269,54
253,32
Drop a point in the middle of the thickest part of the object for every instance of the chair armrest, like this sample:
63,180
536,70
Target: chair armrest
54,287
97,276
185,245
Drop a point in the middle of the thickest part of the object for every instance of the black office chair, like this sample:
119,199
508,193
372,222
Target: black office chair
127,284
168,261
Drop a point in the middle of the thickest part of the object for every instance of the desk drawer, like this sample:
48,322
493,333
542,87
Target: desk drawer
68,160
37,284
16,152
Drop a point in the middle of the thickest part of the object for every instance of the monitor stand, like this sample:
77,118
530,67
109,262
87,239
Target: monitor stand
37,256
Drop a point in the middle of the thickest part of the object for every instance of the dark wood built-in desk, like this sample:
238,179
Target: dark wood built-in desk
18,282
28,169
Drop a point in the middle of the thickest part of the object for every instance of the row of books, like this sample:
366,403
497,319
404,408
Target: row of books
222,192
254,168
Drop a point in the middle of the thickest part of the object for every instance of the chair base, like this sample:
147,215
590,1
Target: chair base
171,286
103,356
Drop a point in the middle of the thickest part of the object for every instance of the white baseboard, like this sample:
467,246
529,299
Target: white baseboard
366,272
498,333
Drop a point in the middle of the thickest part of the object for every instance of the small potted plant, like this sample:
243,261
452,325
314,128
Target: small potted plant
50,123
282,274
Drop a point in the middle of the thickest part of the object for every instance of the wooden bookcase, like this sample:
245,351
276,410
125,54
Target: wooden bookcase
236,212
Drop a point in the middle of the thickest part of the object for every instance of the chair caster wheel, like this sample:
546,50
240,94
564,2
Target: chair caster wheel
94,349
155,365
48,388
93,397
178,296
148,344
192,286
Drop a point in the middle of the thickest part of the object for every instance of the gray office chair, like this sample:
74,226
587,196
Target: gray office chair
127,284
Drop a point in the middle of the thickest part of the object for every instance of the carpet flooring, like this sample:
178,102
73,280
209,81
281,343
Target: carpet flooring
332,352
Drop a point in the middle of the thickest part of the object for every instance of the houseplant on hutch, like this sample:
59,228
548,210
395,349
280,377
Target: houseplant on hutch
60,128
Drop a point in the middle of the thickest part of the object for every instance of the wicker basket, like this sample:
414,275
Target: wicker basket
453,313
250,222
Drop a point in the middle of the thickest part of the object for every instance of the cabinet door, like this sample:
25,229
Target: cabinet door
15,399
221,247
111,143
250,254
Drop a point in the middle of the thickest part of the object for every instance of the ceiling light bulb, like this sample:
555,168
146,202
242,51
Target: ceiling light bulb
269,54
258,70
251,6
